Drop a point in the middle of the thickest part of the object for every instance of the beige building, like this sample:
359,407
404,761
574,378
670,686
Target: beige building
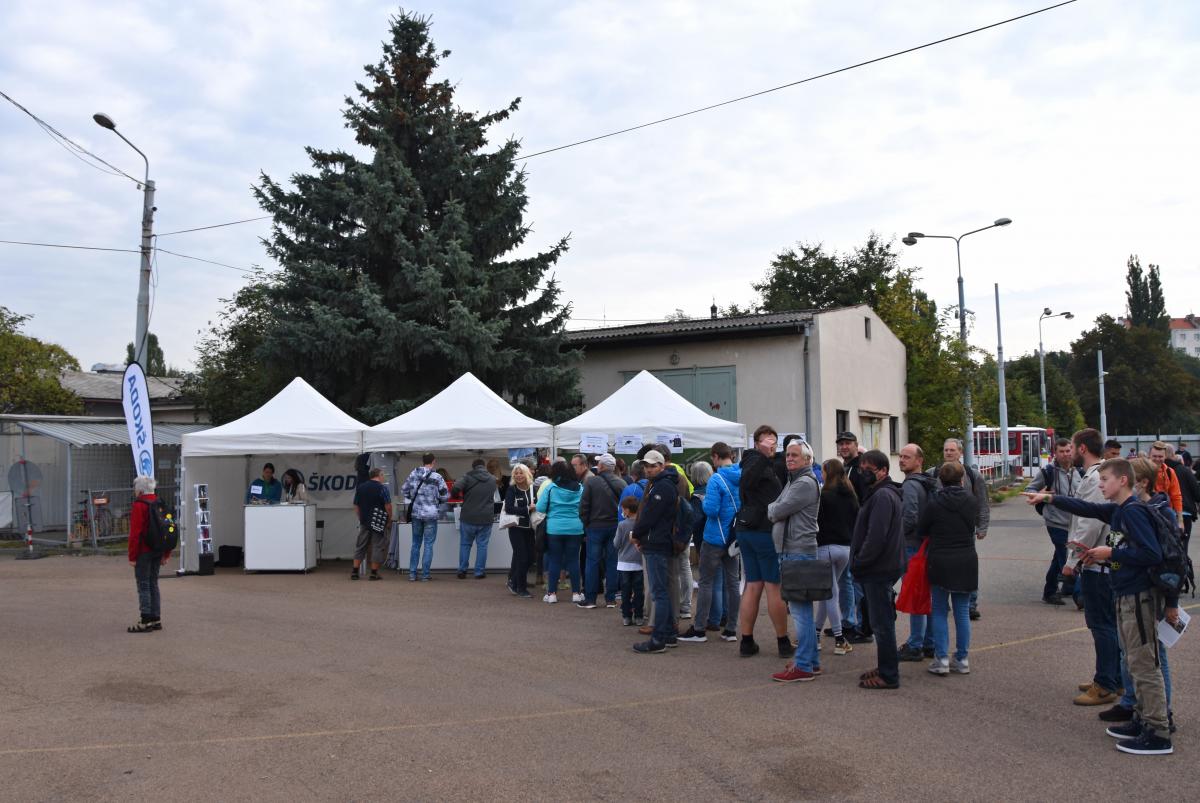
816,372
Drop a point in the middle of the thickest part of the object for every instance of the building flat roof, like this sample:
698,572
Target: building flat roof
88,433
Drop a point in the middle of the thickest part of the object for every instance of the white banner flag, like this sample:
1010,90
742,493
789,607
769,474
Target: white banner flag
135,398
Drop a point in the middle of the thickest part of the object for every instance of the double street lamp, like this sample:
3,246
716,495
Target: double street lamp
143,298
911,239
1046,313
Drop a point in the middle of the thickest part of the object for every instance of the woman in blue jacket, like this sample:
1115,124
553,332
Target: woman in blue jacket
559,500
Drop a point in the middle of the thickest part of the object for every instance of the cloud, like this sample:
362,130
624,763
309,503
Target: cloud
1077,124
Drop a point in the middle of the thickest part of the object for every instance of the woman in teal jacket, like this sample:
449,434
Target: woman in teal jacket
559,500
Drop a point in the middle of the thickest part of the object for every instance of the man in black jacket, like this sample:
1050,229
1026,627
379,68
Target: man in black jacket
758,488
1189,491
598,510
654,534
479,491
847,447
877,560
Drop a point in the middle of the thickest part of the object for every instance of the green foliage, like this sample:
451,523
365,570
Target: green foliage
812,279
1148,389
398,273
1022,379
1144,297
30,370
156,361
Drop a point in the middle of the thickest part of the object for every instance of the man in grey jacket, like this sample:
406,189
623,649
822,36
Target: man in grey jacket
915,492
475,518
952,452
598,511
1061,479
794,531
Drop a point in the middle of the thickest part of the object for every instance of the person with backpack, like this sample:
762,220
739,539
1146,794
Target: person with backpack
1140,545
720,506
1059,477
1145,473
915,492
152,536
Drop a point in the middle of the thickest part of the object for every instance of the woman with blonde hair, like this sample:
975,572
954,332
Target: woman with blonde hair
518,501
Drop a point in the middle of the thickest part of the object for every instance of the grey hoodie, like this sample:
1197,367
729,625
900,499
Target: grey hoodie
479,494
794,514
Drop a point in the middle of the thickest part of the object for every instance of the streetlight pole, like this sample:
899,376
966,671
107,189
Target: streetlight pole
1003,396
1046,313
1103,414
143,297
911,239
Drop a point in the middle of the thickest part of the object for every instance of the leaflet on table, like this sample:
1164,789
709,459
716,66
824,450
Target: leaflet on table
1170,634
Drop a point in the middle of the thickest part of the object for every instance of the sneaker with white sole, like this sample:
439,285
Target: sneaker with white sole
960,667
577,598
1147,743
550,598
841,646
939,666
694,636
728,635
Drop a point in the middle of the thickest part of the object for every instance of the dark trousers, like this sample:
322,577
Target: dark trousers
878,593
1100,615
145,572
1187,531
633,594
521,539
1054,575
658,573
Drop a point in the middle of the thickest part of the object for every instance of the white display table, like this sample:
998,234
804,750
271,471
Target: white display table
281,537
445,548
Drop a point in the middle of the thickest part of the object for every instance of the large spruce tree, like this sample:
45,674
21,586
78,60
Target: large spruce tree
398,271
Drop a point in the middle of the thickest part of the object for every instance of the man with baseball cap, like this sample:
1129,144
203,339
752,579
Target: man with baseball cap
654,534
855,620
847,448
598,510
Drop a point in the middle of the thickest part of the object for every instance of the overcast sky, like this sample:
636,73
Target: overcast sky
1079,124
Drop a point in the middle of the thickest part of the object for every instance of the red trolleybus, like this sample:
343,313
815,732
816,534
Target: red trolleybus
1026,450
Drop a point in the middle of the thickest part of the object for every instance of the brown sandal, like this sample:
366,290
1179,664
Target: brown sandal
876,682
870,673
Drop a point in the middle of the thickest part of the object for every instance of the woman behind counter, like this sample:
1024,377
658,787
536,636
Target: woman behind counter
294,490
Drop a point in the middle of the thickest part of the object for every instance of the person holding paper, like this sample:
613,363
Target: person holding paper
267,490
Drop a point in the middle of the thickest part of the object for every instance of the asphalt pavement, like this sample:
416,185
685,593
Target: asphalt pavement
311,687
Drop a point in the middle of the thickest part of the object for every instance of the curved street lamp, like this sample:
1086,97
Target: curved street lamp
911,239
1046,313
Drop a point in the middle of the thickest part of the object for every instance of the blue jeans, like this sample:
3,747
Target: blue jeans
424,533
1129,699
600,549
563,553
1054,575
848,599
1100,615
478,534
919,636
943,601
716,610
145,574
806,634
658,573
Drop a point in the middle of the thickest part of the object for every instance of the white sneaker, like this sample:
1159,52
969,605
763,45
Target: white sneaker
577,598
939,666
961,667
550,598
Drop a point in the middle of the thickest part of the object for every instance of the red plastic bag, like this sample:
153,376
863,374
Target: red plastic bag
914,594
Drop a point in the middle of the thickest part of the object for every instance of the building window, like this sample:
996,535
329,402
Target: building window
843,421
872,430
867,327
894,434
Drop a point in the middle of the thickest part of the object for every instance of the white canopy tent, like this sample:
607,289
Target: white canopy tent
466,416
298,428
647,407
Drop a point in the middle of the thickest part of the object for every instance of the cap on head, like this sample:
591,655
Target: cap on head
606,460
653,457
847,436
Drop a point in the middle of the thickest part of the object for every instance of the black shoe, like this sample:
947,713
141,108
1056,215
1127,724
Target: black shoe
693,635
907,653
829,631
510,588
524,594
858,637
374,576
649,647
728,635
354,574
587,604
1118,713
1148,743
974,614
1129,730
786,648
672,641
927,652
481,576
1053,599
462,575
749,647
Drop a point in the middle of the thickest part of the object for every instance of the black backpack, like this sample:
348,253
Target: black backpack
161,534
1174,575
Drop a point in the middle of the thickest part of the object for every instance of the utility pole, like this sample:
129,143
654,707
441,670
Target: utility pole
148,208
1103,414
1003,397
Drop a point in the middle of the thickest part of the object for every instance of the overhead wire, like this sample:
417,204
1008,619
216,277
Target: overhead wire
791,84
68,144
215,226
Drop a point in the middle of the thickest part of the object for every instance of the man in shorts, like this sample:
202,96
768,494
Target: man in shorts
373,506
